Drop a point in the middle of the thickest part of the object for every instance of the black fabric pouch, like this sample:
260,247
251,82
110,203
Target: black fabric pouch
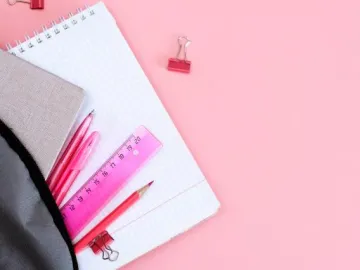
33,235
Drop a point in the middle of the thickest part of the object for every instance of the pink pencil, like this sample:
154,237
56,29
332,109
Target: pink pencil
76,165
70,150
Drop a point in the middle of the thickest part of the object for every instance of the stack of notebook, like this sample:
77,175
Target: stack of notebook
89,52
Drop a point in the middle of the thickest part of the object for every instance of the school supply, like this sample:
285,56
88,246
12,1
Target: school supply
109,179
76,165
96,239
88,50
34,4
70,150
178,64
38,106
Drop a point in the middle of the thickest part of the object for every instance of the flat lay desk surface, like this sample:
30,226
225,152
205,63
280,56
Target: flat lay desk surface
271,113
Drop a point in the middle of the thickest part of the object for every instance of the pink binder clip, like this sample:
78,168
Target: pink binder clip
34,4
177,64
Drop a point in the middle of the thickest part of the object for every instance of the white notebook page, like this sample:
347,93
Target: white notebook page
94,55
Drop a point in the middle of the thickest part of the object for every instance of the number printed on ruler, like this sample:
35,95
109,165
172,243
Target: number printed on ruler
109,179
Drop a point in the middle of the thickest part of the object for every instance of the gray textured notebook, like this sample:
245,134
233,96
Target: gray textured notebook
38,106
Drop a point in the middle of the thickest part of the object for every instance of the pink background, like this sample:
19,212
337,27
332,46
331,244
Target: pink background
271,113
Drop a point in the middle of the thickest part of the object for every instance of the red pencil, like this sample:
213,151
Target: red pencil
130,201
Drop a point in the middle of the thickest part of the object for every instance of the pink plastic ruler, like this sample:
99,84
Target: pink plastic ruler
85,204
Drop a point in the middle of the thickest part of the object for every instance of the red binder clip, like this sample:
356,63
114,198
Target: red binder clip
177,64
34,4
101,243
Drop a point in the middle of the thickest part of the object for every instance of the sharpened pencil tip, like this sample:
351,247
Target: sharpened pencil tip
142,190
92,112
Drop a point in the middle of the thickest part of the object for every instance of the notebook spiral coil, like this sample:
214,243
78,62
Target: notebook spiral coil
56,28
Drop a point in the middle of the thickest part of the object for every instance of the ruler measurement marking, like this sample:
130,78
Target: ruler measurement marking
112,175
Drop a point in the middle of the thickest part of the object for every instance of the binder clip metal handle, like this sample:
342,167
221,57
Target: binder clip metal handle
34,4
184,43
177,63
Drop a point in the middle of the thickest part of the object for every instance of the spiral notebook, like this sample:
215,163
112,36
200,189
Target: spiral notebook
89,50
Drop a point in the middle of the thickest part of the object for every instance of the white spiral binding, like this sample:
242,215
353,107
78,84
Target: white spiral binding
55,28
